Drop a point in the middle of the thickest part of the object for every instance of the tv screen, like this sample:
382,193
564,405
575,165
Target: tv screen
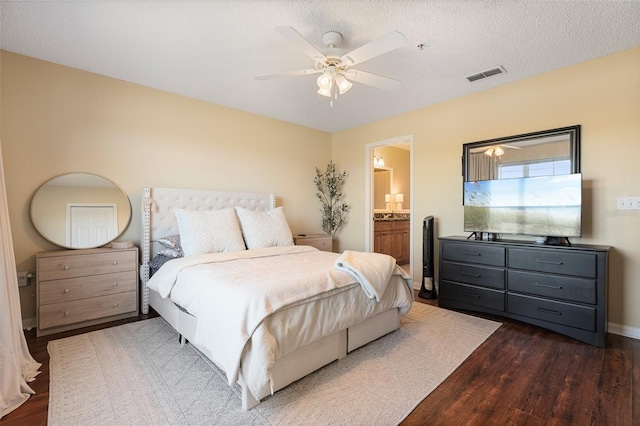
546,206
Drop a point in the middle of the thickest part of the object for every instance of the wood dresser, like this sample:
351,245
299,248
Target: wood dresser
78,288
322,242
560,288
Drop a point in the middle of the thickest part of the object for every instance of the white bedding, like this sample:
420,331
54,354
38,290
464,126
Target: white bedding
251,300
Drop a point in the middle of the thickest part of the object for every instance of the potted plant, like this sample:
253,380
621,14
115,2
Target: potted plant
329,185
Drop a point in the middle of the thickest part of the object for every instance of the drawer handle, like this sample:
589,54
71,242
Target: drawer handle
555,287
471,254
115,284
115,305
469,274
115,262
66,290
464,293
548,311
64,267
66,313
549,262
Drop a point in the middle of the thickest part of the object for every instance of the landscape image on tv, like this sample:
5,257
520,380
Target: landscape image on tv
541,206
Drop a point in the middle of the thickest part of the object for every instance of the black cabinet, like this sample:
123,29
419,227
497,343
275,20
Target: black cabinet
560,288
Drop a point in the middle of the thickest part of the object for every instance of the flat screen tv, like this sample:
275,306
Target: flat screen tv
545,206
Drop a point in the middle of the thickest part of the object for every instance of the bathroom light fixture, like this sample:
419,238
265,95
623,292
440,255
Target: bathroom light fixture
378,161
399,200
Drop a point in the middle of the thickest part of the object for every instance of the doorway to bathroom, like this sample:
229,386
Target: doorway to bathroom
389,199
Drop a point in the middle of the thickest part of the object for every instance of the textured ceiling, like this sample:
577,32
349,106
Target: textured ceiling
213,50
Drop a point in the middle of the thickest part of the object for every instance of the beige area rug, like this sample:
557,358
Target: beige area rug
138,374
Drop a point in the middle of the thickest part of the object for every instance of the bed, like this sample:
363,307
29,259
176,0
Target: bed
288,338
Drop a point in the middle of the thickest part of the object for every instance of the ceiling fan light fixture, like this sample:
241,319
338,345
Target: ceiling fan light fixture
498,151
343,84
325,81
324,92
489,152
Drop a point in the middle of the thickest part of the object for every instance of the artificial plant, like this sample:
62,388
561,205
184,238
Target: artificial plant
329,185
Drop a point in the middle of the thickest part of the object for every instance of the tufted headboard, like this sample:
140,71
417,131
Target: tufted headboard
158,219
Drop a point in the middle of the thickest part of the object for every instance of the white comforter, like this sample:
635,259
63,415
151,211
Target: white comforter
235,296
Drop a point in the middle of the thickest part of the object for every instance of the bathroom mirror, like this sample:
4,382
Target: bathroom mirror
549,152
80,210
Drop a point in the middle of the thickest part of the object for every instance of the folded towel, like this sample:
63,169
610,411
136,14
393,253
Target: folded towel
372,270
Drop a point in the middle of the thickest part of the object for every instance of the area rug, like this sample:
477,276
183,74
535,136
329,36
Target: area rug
139,374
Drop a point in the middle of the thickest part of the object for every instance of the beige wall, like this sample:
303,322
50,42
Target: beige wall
602,95
57,120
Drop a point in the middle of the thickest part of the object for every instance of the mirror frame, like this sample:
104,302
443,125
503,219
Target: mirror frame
573,133
38,223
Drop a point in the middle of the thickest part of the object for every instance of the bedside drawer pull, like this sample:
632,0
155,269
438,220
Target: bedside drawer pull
115,262
548,311
66,313
471,254
555,287
115,284
64,267
548,262
115,305
464,293
470,275
66,290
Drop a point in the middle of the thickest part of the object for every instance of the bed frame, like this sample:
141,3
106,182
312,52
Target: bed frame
158,220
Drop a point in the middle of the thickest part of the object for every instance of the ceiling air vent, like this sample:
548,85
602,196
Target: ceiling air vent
485,74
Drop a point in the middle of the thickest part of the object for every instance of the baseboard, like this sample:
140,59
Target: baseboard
28,323
623,330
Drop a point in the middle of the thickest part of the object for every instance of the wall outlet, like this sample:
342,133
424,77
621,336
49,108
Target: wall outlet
23,278
628,203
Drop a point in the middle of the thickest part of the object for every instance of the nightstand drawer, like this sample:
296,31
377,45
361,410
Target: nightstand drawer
555,286
58,267
471,274
79,288
473,253
479,296
76,311
322,242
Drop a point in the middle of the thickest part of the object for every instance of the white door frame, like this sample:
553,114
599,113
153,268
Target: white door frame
112,206
369,191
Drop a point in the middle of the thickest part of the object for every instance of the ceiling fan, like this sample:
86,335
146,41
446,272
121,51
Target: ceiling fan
334,66
497,150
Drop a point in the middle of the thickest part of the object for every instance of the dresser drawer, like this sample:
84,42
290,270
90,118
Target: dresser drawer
583,317
320,241
58,267
56,291
469,274
555,286
473,253
553,261
478,296
76,311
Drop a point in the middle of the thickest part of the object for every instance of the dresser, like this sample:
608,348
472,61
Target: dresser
560,288
322,242
392,237
78,288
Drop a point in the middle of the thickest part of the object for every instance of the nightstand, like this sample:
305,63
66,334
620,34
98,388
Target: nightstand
320,241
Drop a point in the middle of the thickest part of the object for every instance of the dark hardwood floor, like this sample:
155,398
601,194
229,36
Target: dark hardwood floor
522,375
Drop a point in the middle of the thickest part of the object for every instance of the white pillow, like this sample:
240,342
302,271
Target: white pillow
210,231
264,229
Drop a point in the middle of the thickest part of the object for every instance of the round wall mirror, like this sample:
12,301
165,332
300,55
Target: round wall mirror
80,210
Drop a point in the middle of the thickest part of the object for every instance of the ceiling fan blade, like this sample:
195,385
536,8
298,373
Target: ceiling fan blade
301,43
384,44
287,74
374,80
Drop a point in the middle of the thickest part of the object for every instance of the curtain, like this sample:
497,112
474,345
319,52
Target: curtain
482,167
17,367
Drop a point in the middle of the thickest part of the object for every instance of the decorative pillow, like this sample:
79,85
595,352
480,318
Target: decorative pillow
211,231
157,262
171,246
264,229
